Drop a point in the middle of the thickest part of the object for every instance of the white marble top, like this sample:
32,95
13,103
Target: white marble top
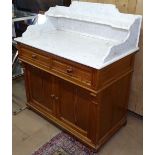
94,40
83,49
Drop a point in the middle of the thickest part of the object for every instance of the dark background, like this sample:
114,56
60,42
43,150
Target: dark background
36,6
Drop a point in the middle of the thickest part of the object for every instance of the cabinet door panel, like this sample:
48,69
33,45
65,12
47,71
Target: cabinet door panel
47,92
40,85
36,83
67,99
74,107
82,110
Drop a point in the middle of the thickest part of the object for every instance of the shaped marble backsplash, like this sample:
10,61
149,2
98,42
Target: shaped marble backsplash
119,32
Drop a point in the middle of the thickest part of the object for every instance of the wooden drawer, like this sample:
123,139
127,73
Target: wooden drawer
34,57
77,73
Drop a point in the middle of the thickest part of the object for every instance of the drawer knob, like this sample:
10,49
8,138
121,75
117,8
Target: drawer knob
34,56
69,70
52,96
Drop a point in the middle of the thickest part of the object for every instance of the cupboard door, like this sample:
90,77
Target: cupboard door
40,85
35,85
48,94
82,109
67,101
74,107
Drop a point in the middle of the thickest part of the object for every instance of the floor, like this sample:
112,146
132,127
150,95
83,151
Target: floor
18,95
30,131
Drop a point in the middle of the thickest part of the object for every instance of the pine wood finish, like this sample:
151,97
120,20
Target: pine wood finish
90,104
126,6
136,95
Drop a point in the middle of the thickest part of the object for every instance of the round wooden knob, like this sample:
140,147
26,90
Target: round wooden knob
52,95
34,56
69,70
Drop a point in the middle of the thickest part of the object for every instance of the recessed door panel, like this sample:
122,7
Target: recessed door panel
67,99
82,110
41,89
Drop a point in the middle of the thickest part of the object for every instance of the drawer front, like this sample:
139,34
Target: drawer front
34,57
74,72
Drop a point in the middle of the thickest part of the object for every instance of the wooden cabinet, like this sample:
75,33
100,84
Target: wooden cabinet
91,111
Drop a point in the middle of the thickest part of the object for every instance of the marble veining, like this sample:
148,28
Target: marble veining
92,34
